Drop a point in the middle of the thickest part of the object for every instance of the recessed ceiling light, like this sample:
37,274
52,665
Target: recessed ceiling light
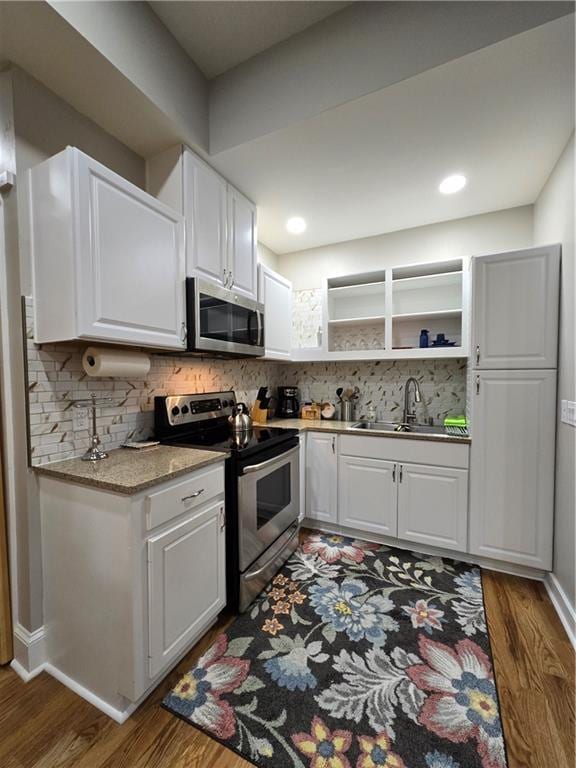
296,225
452,184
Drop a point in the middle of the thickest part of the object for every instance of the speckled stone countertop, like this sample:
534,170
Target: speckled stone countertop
344,427
130,471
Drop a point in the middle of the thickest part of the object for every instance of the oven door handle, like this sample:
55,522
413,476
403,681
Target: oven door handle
269,562
270,462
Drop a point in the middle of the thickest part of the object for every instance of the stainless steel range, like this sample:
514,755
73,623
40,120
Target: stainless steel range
262,485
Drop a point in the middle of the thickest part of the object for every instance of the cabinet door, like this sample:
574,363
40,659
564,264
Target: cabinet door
515,309
242,243
186,582
130,260
512,466
433,505
205,205
367,494
321,477
275,292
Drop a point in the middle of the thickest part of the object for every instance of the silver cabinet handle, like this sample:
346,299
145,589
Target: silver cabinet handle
192,496
477,354
477,385
222,519
225,277
183,332
394,474
401,472
333,445
231,280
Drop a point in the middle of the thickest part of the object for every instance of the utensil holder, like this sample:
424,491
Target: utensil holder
347,410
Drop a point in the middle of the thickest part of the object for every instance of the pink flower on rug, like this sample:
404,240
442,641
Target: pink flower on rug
424,615
324,747
332,548
463,703
200,691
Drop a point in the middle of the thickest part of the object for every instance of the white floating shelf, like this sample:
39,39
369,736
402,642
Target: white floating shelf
435,315
316,356
358,320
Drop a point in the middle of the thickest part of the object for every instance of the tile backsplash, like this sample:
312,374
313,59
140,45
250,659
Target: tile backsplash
381,383
56,378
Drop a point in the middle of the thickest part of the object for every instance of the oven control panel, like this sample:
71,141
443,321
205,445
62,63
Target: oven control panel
187,409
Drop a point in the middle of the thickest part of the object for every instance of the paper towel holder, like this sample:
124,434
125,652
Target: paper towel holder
94,452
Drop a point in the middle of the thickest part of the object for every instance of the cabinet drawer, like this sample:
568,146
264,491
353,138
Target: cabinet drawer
196,489
406,450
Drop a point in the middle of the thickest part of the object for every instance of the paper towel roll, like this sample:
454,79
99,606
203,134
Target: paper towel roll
102,361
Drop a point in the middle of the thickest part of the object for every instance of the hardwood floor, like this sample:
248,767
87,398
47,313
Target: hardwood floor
44,725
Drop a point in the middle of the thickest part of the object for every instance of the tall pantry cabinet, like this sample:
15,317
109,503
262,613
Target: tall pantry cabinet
513,405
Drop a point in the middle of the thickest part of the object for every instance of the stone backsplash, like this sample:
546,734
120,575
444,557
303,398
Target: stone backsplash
381,383
56,378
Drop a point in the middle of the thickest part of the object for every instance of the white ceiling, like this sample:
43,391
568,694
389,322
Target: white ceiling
219,35
501,116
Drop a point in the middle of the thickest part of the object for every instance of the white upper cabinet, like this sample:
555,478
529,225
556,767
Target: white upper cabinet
241,244
108,258
205,206
512,466
515,309
275,292
220,222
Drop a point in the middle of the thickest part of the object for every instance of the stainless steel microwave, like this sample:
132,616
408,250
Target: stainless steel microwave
223,322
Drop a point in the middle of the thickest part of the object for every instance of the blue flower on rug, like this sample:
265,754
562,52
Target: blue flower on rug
439,760
347,609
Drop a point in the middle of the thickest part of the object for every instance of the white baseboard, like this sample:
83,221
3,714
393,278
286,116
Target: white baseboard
29,652
118,715
559,599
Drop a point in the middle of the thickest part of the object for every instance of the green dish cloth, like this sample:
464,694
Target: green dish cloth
455,421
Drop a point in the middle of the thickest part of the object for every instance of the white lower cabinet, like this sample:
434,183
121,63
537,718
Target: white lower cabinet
412,490
367,494
321,477
433,505
130,582
186,578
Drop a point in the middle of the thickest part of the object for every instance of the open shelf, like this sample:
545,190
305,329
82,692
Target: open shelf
358,320
439,314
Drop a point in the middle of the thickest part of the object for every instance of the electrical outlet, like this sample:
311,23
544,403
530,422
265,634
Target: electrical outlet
568,412
80,420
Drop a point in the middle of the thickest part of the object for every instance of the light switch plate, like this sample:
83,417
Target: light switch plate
568,412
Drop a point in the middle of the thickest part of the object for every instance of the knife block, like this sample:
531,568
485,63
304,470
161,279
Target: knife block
259,415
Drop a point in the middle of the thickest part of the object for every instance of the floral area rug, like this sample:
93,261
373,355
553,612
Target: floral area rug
356,656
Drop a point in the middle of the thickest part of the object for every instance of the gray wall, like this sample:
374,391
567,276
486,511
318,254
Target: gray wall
44,125
489,232
554,223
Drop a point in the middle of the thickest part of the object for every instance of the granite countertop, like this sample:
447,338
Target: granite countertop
129,471
343,427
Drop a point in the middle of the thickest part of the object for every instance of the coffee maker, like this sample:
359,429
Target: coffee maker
288,403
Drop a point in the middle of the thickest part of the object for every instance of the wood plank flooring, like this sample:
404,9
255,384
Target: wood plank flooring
44,725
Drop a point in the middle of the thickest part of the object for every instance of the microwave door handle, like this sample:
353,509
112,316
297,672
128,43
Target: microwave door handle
260,341
270,462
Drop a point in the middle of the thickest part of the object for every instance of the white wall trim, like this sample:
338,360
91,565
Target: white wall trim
559,599
29,652
118,715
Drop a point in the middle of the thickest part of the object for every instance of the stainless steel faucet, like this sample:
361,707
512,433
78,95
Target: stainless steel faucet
409,417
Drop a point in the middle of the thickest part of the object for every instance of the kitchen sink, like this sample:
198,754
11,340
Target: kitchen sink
390,426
